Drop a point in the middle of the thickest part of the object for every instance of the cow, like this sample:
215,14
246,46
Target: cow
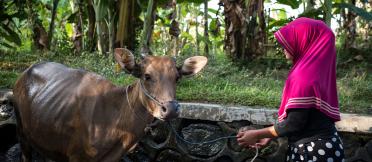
74,115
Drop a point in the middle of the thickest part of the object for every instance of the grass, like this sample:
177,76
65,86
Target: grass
258,83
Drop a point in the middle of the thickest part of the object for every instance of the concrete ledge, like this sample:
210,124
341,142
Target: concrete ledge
354,123
5,94
216,112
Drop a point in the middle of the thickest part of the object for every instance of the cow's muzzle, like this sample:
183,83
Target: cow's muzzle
170,110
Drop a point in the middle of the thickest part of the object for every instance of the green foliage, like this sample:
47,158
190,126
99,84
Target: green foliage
191,1
355,91
359,11
7,78
314,13
275,24
100,7
293,3
258,83
214,27
11,16
12,64
242,83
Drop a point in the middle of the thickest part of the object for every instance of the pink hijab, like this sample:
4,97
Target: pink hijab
311,83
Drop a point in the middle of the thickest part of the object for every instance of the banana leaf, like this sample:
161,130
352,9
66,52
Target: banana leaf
8,34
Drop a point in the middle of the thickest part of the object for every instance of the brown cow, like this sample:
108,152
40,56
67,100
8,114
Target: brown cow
74,115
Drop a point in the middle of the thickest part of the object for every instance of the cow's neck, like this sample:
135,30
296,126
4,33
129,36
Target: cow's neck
136,105
135,117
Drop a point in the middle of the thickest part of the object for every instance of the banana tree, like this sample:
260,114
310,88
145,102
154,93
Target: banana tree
174,29
78,36
39,33
91,26
51,25
101,9
129,12
245,28
206,49
148,27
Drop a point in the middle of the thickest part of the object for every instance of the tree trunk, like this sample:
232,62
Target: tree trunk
77,37
328,11
174,30
366,29
206,38
39,34
148,28
245,29
101,8
102,33
129,12
350,28
51,25
197,32
123,24
111,28
91,26
262,26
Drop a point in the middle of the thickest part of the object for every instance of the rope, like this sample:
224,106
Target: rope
197,143
144,90
255,156
207,142
130,106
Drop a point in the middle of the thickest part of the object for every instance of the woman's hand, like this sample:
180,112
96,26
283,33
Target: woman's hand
261,143
247,138
255,138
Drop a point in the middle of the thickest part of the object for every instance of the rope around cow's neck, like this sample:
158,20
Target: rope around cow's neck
206,142
130,106
144,90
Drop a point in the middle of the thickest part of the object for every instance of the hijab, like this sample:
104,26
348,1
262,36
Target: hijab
311,82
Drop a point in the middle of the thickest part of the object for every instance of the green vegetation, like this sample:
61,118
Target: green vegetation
236,36
258,83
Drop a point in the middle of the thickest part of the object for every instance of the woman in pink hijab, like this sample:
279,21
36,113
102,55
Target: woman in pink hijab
309,106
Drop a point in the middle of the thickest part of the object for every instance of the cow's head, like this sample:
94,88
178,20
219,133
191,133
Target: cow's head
158,77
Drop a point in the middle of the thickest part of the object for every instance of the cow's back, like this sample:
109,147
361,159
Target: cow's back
49,98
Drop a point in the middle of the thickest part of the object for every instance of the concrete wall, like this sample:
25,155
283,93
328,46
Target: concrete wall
352,123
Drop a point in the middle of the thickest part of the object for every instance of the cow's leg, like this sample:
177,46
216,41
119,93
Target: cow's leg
26,155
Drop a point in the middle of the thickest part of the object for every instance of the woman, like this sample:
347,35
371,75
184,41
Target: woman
309,106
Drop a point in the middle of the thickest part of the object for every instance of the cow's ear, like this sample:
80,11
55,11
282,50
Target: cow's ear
193,65
125,59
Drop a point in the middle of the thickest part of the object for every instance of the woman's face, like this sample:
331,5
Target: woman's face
287,55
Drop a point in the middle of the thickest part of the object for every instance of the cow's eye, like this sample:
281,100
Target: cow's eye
147,77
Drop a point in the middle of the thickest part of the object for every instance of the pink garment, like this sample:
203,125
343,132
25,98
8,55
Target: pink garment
311,83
